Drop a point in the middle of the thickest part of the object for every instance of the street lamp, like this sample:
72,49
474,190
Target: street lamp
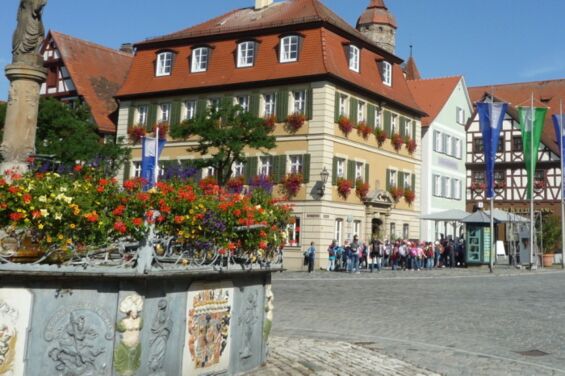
324,176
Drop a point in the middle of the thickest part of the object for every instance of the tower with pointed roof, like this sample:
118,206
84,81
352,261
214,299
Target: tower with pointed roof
378,24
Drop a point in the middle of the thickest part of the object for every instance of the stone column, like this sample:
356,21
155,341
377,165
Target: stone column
21,115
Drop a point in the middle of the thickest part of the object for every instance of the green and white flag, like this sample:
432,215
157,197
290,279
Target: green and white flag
526,124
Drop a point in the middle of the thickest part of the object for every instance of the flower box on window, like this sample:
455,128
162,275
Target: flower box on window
235,184
539,185
295,121
345,125
410,145
381,136
290,184
500,184
396,193
344,187
478,187
396,141
363,130
361,189
270,122
163,128
135,133
409,196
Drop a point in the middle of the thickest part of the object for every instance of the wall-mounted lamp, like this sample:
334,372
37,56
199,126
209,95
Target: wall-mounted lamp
324,176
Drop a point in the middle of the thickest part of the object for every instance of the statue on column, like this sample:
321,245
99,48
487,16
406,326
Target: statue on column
29,32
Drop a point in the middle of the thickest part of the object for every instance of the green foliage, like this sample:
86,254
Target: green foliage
3,107
551,233
67,132
223,135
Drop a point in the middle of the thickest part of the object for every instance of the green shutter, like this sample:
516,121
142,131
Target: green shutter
201,106
282,105
366,173
388,179
387,121
351,171
309,103
414,130
402,126
334,171
131,114
250,169
254,104
414,182
306,167
371,116
151,116
227,101
353,111
175,113
126,170
400,180
336,114
279,168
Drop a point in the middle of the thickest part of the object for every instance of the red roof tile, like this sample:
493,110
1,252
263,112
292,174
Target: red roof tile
97,73
322,54
432,94
546,93
411,70
377,13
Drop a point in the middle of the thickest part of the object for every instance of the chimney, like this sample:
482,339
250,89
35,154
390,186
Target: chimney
260,4
127,48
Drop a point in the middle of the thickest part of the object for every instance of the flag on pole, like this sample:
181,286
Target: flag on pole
491,116
531,117
150,151
558,123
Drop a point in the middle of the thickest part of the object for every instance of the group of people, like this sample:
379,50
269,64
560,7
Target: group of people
355,255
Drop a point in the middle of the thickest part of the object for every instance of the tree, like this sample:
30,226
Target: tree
67,133
223,135
3,107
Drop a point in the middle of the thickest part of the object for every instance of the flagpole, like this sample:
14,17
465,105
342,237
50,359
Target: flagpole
156,167
560,122
492,240
532,173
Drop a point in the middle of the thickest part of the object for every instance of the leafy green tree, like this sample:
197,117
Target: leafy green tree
2,115
68,133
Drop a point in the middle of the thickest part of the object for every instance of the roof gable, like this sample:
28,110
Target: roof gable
432,95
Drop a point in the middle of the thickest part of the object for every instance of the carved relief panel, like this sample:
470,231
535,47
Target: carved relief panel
15,309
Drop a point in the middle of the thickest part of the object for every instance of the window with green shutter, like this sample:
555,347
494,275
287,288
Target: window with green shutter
201,106
309,103
402,126
334,171
388,187
413,182
366,173
336,113
279,168
151,116
351,171
131,115
250,169
371,116
414,130
254,104
282,105
353,111
387,122
400,180
175,113
127,167
306,168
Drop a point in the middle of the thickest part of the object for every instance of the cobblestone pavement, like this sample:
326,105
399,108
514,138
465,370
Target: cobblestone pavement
304,356
453,322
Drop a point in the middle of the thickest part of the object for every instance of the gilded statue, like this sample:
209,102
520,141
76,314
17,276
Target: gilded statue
29,32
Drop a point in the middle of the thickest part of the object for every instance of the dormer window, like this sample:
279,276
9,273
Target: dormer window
245,54
386,73
289,49
200,59
164,64
354,58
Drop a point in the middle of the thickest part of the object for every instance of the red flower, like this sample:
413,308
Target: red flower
91,217
120,227
142,196
77,168
119,210
263,244
27,198
16,216
137,221
100,189
130,185
231,246
13,189
36,214
345,124
179,219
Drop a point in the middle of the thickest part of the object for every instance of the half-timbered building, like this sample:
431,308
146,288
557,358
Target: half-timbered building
82,71
510,173
277,59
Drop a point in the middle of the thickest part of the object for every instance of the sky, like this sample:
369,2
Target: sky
488,42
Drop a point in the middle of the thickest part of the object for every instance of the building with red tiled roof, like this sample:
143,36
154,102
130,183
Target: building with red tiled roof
278,59
91,73
448,106
510,173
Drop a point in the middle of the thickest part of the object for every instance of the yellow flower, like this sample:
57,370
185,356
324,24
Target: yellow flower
49,240
60,237
44,212
58,216
42,199
40,226
72,226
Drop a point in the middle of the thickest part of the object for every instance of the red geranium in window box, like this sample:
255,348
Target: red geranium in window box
396,193
135,133
361,189
290,184
381,136
411,145
396,141
478,187
345,125
235,184
270,122
499,184
363,130
344,187
295,121
163,128
539,185
409,196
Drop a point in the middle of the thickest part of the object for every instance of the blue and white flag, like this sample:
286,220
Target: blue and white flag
559,123
150,151
491,116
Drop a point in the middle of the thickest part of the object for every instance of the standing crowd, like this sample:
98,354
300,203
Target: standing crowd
397,255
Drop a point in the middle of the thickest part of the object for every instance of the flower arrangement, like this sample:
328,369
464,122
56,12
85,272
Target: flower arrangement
409,196
261,182
163,128
361,189
478,187
396,141
499,184
381,136
235,184
345,125
294,121
396,193
270,122
344,188
363,130
82,211
410,145
539,185
136,132
290,184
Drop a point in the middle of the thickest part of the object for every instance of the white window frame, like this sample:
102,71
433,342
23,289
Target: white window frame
136,169
293,240
438,142
394,123
437,186
245,54
359,169
164,64
299,101
387,73
343,104
340,168
296,164
214,104
243,102
408,129
289,49
378,113
460,116
354,58
357,228
446,187
458,149
190,107
142,114
338,231
265,166
406,231
270,101
407,180
164,112
456,188
393,178
360,111
200,58
237,169
448,145
208,171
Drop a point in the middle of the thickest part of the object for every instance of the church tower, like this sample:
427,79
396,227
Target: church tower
379,25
